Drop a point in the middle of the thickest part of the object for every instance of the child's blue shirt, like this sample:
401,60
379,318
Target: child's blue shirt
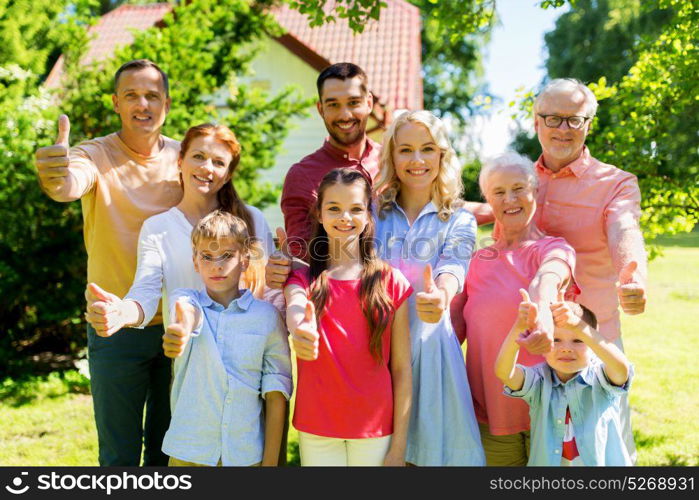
235,356
594,411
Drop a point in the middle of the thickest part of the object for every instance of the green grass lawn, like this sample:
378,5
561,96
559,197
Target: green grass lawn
48,420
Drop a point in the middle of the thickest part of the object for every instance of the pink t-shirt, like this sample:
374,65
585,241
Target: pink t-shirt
492,288
346,393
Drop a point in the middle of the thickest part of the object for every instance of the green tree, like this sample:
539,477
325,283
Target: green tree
204,45
653,119
31,33
649,111
601,38
35,269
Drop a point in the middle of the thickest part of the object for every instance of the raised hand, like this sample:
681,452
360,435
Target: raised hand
535,339
104,311
631,291
431,302
565,314
52,161
527,313
279,263
177,334
305,337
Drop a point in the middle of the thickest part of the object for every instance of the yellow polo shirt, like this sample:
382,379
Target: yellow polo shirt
120,189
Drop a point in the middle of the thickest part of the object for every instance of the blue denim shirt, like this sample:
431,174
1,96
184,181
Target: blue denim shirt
447,246
234,357
594,411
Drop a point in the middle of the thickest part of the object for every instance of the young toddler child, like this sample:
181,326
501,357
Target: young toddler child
574,396
231,354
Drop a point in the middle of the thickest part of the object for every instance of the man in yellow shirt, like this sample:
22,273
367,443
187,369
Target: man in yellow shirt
121,180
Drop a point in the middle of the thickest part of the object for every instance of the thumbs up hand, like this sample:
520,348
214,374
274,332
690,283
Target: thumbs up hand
565,314
177,334
527,313
104,311
305,337
52,161
537,335
279,264
432,301
631,291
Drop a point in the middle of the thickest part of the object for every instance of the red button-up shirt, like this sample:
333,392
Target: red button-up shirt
580,203
301,187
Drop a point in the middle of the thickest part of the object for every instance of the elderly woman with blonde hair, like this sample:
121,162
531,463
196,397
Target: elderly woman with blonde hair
521,257
421,231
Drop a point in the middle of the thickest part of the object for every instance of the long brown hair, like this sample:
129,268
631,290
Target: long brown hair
377,305
228,198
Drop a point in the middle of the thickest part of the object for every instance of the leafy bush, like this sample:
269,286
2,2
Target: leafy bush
204,45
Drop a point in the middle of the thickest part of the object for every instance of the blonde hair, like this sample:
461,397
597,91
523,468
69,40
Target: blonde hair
221,224
447,187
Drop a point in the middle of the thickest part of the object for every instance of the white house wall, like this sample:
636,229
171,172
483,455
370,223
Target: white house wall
274,68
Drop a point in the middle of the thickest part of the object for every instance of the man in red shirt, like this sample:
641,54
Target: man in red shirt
344,104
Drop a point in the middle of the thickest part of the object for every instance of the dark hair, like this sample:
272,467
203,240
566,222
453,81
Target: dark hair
137,64
588,316
227,196
377,305
341,71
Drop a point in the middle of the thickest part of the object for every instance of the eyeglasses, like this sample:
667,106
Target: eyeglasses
574,122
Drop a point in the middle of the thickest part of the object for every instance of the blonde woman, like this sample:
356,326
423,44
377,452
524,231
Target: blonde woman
420,231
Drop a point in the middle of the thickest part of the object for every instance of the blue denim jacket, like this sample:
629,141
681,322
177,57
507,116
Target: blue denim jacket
234,357
594,411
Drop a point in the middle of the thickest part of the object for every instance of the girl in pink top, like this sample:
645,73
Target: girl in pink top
354,378
522,257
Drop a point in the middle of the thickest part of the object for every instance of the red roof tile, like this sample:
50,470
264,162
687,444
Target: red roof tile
112,30
388,50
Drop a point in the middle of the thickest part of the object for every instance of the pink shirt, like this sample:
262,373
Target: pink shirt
492,288
300,190
346,393
580,203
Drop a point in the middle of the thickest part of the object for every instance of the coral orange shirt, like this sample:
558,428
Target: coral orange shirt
345,392
579,203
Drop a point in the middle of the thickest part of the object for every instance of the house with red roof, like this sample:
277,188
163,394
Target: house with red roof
389,50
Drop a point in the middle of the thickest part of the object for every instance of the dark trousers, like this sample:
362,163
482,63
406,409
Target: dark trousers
129,372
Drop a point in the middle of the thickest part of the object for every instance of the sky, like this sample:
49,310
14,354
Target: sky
515,57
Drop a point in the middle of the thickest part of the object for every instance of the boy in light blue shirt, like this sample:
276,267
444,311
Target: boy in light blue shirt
231,354
574,396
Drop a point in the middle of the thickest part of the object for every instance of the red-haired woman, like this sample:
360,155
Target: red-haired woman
209,155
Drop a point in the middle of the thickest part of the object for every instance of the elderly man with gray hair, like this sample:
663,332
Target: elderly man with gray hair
595,207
